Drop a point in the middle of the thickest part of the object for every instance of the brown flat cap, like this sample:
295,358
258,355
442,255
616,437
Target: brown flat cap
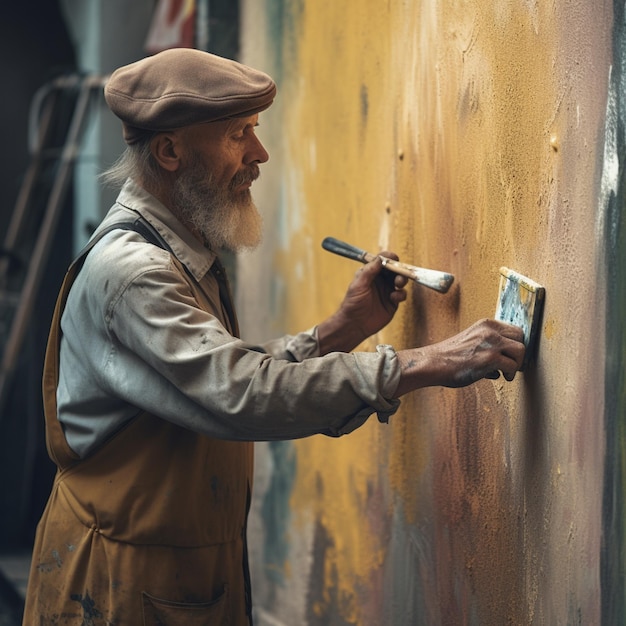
181,87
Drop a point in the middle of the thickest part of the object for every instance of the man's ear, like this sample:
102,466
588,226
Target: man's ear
165,148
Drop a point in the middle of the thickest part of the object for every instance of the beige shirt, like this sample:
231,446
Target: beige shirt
135,340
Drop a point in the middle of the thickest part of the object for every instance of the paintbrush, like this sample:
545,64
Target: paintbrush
433,279
520,302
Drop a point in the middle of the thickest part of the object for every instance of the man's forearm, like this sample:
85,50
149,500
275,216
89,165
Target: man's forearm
483,350
337,334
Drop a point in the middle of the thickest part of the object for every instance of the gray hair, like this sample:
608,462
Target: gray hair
135,162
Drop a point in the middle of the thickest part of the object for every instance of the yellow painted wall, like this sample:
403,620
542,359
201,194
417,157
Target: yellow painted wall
464,135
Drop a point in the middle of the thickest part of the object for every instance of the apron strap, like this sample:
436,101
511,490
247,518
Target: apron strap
58,448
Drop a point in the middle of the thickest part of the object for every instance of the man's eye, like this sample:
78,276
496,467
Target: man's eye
250,129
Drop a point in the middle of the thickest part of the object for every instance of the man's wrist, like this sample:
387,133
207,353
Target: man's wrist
337,334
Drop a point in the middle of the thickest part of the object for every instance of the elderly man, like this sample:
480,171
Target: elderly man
152,401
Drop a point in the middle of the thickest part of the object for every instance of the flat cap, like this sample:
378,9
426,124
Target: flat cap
181,87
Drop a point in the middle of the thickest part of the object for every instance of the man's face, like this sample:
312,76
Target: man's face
212,190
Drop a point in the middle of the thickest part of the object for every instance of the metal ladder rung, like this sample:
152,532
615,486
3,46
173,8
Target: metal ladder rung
26,297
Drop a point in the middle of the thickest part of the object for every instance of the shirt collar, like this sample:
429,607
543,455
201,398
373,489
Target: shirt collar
188,250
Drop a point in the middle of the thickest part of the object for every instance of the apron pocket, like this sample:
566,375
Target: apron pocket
159,612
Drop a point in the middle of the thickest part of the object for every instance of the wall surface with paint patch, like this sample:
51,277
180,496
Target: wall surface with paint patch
464,135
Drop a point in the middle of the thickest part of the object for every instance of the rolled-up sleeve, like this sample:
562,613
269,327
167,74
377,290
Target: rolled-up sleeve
187,368
135,338
298,347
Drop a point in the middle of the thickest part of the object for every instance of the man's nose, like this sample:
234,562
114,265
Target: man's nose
256,152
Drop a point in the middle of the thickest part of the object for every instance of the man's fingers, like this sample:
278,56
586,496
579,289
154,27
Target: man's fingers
493,375
400,281
515,349
503,348
512,332
372,268
398,296
390,255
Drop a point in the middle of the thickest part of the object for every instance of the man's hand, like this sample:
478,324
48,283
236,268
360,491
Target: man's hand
370,303
483,350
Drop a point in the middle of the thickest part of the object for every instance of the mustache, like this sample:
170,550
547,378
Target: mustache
247,175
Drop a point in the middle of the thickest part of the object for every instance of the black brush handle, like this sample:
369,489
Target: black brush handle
344,249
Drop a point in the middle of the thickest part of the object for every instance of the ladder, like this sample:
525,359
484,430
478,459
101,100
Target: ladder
58,114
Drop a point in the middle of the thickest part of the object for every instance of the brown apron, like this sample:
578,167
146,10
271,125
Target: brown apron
150,528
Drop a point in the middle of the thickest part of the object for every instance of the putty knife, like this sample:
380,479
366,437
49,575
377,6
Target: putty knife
433,279
520,302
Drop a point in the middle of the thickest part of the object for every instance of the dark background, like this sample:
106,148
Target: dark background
34,48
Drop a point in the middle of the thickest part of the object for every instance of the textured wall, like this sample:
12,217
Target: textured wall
464,135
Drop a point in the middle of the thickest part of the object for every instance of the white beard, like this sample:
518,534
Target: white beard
221,217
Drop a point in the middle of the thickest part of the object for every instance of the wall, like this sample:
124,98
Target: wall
464,135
